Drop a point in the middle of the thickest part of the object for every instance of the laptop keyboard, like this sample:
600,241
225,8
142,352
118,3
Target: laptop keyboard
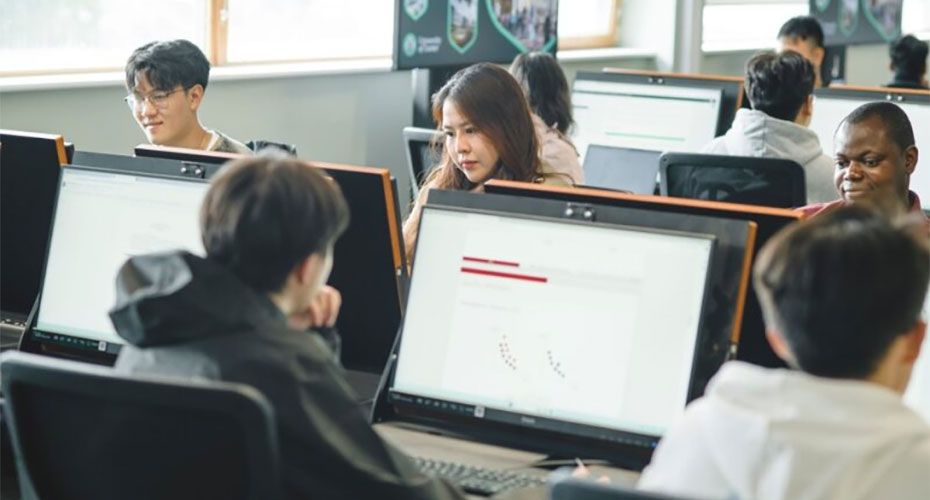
477,480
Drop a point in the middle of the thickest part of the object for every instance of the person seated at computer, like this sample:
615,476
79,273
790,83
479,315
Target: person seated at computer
875,155
841,295
489,134
166,83
780,89
550,101
240,314
908,62
804,35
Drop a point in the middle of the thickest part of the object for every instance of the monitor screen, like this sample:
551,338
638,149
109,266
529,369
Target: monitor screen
633,170
501,326
442,33
644,116
831,108
101,219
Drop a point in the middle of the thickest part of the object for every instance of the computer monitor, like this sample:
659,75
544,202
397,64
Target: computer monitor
101,218
734,92
369,266
729,272
505,337
624,169
368,260
832,104
421,155
146,164
29,168
752,345
655,111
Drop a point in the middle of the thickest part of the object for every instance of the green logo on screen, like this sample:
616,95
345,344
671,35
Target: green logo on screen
416,8
410,45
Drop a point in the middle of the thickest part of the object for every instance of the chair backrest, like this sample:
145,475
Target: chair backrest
421,157
768,182
564,487
82,431
260,144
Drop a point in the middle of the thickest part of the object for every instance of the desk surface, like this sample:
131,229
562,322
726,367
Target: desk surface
423,444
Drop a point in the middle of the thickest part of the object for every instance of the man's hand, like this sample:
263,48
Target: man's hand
322,311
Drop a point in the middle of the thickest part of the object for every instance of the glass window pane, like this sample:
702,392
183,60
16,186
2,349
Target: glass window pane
90,34
915,17
584,18
734,26
309,29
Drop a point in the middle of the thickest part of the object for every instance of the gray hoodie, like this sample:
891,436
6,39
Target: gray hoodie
755,133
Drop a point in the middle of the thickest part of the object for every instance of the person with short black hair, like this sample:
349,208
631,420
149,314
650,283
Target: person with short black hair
550,101
908,62
875,155
841,296
240,314
166,83
804,35
780,89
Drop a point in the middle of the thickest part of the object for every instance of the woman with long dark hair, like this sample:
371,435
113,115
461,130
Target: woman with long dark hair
488,134
550,100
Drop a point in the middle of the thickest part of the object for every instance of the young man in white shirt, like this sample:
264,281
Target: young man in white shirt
166,83
842,297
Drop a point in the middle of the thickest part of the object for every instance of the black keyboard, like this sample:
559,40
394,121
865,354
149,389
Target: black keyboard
477,480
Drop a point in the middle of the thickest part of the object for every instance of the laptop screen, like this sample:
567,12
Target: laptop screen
633,170
101,219
559,325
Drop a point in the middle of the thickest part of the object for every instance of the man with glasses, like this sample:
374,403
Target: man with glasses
166,83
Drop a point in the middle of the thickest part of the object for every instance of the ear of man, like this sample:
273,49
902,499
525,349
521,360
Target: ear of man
195,97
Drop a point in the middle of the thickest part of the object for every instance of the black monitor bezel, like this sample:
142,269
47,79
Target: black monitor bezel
628,449
63,345
871,94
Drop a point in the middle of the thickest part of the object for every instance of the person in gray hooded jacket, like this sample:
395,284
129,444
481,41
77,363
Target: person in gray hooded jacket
241,314
780,88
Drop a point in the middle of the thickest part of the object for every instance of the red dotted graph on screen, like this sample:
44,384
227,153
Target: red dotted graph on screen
507,353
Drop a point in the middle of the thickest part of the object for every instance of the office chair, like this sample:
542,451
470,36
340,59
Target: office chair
737,179
259,144
421,157
564,487
82,431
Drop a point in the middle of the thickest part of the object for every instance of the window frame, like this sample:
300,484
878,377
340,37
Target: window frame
217,34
